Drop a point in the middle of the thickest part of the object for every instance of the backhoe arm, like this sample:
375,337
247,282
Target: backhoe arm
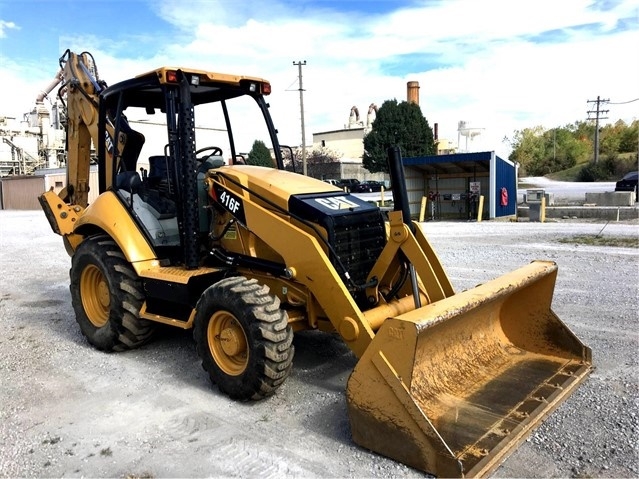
80,91
82,87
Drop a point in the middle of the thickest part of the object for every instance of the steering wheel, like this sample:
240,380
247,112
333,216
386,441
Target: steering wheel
215,151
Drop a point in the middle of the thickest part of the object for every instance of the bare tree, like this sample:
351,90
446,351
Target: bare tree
321,163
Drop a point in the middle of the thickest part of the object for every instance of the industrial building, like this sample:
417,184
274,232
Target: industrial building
348,143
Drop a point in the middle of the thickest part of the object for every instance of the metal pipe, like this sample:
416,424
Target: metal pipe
376,316
400,199
55,82
398,182
415,286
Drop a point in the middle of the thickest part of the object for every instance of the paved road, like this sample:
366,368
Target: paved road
565,192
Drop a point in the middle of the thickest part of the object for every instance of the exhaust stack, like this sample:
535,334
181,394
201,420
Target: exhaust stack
412,93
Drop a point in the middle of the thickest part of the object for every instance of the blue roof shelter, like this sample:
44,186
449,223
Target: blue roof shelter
454,182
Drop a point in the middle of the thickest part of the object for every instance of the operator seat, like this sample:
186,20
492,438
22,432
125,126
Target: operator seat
128,181
160,173
128,178
132,147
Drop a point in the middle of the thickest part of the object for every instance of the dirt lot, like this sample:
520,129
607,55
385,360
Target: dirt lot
69,410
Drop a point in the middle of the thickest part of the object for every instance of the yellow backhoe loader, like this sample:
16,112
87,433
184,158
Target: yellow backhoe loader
245,256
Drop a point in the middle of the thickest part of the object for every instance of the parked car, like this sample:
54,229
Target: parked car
331,182
348,184
628,183
368,186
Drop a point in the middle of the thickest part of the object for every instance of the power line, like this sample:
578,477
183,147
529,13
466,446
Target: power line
288,88
598,112
624,102
301,89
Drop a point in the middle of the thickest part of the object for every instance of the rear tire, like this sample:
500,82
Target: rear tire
106,295
243,338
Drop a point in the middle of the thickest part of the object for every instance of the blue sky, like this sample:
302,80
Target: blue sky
499,65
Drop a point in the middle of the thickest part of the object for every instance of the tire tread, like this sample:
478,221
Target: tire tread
124,329
273,336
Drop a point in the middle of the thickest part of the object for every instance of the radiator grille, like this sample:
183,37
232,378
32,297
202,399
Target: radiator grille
357,241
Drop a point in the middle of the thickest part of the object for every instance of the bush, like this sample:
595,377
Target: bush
610,168
626,165
593,172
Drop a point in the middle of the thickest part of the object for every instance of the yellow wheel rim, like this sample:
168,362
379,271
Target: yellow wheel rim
227,342
96,299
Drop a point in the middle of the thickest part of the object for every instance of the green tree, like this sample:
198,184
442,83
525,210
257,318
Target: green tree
610,138
259,155
541,151
563,150
528,149
629,138
399,124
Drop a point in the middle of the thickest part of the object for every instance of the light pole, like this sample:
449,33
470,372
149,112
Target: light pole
300,64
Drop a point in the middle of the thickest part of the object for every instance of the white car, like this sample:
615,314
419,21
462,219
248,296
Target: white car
332,182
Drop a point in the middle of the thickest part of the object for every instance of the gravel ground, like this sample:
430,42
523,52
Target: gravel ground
69,410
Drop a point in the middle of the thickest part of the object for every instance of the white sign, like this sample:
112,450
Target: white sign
475,187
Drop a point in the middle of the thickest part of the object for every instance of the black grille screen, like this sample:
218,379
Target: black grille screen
355,229
357,241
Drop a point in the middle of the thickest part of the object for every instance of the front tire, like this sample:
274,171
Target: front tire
106,295
243,338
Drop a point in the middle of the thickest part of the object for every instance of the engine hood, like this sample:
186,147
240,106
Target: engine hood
275,185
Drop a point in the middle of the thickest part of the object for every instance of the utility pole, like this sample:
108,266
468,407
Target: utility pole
598,112
299,65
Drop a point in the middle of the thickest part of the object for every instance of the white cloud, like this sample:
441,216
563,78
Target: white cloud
486,68
4,25
493,75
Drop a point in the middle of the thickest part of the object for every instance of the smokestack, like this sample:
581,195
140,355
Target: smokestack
413,92
436,131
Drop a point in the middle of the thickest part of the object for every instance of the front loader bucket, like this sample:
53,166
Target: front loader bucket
453,387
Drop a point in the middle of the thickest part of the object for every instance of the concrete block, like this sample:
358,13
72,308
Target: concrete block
613,213
536,195
612,198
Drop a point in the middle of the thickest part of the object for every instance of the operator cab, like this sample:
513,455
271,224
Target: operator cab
172,127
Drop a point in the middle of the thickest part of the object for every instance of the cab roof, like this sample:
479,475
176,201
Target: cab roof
148,90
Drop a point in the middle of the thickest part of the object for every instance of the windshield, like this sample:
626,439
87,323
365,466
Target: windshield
247,141
247,126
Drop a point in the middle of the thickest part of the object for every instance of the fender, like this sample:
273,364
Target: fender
110,215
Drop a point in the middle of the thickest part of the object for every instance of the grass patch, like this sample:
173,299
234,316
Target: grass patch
593,240
569,174
609,168
106,452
